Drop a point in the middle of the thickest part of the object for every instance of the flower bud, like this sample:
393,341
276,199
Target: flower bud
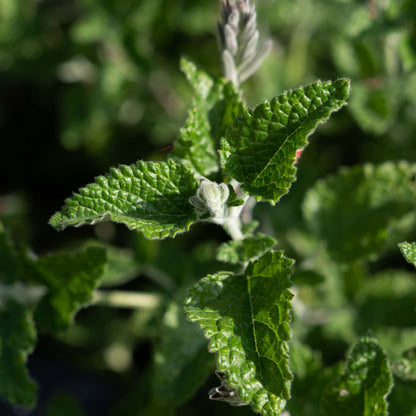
210,201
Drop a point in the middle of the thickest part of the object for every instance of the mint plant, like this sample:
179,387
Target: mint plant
253,153
266,317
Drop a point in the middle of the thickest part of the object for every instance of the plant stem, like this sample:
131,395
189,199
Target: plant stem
233,228
121,299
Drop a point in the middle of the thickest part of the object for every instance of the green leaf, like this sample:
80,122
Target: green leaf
63,404
9,266
353,210
259,149
17,341
409,251
363,387
148,196
214,107
70,280
406,367
181,361
247,319
249,248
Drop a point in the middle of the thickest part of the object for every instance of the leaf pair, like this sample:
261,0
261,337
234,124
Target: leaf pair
258,150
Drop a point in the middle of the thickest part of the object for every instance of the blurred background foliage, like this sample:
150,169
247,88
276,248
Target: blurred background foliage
88,84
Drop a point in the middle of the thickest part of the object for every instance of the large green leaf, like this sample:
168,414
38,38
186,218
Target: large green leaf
70,280
148,196
259,149
17,341
353,210
363,387
214,107
409,251
247,319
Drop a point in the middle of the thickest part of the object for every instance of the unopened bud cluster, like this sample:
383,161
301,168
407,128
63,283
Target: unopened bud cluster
210,201
239,40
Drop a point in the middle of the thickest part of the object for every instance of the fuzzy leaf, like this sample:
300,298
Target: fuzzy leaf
70,280
259,149
247,319
148,196
17,341
354,209
214,107
409,251
363,387
245,250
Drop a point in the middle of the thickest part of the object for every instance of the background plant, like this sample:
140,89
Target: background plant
344,274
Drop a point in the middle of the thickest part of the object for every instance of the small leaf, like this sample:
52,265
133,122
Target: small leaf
363,387
214,107
18,339
70,280
150,197
259,149
354,210
249,248
247,319
409,251
181,361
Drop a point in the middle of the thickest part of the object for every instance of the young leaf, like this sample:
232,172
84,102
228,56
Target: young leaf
70,280
18,339
247,319
353,210
363,387
259,149
409,251
214,107
181,361
148,196
245,250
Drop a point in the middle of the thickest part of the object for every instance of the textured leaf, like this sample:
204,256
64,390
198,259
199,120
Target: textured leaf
214,107
409,251
70,280
244,250
17,341
363,387
150,197
354,209
181,361
259,149
247,319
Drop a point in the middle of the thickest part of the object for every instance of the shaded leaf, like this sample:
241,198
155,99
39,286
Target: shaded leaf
148,196
18,339
363,386
70,280
353,210
259,149
214,107
247,319
181,361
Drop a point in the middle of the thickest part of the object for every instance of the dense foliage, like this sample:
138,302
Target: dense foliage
91,87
